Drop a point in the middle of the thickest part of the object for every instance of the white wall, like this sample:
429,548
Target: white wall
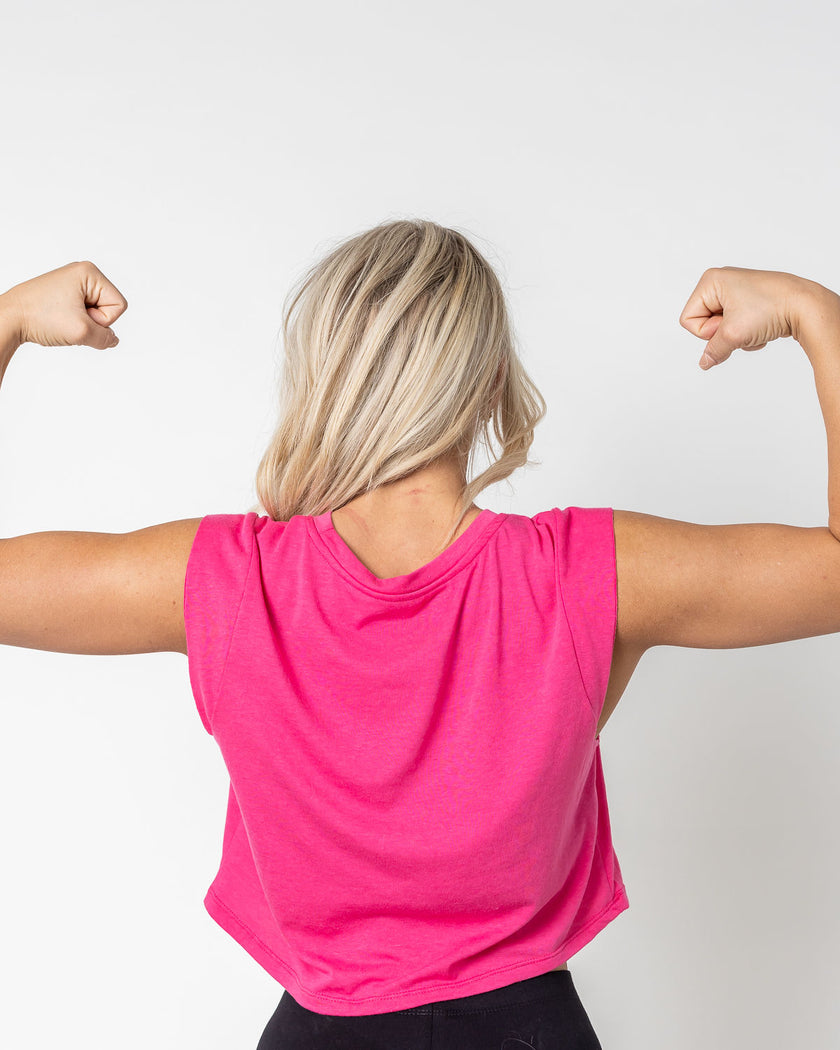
603,156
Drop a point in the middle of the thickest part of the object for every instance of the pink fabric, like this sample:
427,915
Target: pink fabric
417,808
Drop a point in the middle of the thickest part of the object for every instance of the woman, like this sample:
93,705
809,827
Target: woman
407,689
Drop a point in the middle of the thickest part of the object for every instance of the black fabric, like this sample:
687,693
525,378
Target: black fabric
540,1013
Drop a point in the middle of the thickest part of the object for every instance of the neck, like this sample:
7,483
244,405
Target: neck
426,504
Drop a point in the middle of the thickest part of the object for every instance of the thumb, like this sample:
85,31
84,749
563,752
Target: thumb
100,337
718,348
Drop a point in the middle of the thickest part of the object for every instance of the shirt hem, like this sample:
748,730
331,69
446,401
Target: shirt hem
342,1006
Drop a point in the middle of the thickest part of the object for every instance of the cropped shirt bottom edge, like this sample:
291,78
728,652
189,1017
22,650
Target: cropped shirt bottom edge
338,1006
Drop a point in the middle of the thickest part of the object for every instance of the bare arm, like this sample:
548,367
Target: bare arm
92,592
817,330
98,593
730,586
723,586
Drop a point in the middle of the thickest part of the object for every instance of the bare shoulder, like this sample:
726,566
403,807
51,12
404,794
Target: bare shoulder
723,586
96,592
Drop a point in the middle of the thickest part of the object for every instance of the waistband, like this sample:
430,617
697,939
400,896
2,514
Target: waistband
550,985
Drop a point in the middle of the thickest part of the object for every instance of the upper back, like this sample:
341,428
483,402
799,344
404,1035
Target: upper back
542,586
460,698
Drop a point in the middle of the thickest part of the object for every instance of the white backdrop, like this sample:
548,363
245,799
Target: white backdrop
603,156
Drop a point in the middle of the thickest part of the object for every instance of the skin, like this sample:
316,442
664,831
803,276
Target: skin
679,583
400,526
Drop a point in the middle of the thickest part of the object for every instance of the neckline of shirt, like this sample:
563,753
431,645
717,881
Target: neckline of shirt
450,560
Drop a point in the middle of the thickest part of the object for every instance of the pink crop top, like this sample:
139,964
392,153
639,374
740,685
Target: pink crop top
417,809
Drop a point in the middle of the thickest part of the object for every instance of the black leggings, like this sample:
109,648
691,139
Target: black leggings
540,1013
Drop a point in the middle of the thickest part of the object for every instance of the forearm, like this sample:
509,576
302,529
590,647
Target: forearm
817,330
9,336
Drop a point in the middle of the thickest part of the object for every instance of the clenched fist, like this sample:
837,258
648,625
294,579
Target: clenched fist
74,305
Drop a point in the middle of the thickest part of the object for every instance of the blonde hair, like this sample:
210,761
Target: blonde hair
398,351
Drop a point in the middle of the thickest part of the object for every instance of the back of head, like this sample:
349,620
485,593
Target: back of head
398,351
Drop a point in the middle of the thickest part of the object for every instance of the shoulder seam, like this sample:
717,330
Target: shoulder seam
218,689
571,629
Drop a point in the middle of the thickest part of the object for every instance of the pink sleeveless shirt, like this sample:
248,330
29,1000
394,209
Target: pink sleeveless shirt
417,809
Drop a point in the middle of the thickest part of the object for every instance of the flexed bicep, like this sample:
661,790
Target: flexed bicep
96,592
723,586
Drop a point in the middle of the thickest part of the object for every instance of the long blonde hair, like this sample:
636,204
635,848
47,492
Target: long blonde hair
398,350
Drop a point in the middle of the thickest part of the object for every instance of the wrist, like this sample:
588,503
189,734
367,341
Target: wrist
814,315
